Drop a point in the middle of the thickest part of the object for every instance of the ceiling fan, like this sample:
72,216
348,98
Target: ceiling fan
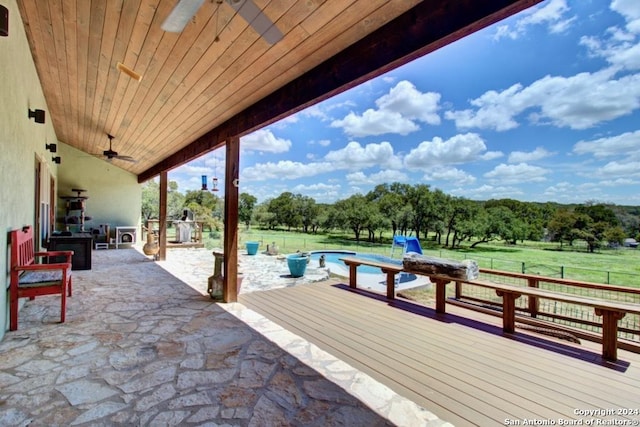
185,10
110,154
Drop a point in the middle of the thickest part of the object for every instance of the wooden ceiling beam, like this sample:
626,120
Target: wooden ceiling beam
424,28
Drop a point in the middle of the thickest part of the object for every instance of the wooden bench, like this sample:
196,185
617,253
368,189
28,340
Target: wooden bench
611,312
29,279
387,268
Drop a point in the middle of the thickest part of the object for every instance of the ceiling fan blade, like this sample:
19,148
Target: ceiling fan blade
125,158
257,20
181,15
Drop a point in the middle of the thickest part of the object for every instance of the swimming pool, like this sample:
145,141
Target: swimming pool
332,258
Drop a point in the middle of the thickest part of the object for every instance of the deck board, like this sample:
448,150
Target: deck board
459,365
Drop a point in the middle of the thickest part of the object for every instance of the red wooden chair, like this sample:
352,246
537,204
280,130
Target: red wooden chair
29,279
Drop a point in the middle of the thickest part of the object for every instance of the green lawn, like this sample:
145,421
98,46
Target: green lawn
619,267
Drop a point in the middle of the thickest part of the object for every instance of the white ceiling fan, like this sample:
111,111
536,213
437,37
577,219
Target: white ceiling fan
185,10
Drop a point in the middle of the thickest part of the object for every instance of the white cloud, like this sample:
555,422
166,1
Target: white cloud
352,157
626,144
356,157
359,178
552,14
454,175
405,99
284,169
375,122
630,9
619,169
398,111
486,192
517,174
263,140
524,157
620,47
578,102
461,148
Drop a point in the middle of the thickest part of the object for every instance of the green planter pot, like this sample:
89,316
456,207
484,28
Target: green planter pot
297,264
252,247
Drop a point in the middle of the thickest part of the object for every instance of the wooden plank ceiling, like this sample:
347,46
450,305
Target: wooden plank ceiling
219,77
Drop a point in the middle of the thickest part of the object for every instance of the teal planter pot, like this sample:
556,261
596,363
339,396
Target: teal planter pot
252,247
297,264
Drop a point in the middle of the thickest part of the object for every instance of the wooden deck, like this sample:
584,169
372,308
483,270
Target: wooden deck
459,365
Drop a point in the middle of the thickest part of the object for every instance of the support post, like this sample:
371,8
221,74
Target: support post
353,273
441,295
232,167
609,332
533,301
162,221
508,310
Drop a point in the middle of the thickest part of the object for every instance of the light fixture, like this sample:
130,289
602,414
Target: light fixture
37,115
51,147
204,183
57,160
128,71
4,21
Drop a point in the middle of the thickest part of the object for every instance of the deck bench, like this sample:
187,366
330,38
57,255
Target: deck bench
610,311
387,268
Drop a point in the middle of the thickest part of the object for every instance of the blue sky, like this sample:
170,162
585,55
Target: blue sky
543,106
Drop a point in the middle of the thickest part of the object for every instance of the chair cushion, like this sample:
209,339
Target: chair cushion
40,277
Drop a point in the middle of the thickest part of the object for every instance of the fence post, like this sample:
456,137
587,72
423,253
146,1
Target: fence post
533,301
458,290
524,269
608,277
562,271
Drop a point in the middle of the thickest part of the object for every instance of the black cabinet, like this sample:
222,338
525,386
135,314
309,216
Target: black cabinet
81,245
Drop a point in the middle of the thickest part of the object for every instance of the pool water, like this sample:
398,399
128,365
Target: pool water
333,257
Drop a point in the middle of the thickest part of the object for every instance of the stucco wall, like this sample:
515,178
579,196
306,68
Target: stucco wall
114,194
21,140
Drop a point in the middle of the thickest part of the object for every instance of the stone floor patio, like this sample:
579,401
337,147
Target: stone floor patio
144,345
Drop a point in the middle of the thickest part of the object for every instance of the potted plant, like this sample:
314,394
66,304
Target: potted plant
297,264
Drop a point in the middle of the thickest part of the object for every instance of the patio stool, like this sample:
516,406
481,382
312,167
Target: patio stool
101,245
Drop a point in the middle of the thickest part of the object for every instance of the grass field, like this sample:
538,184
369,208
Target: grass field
613,266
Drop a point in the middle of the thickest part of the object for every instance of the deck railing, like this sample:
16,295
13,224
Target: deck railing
574,316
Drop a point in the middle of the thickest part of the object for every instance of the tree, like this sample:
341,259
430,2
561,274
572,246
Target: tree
308,211
353,213
615,235
561,225
150,200
286,210
245,208
264,217
392,204
421,200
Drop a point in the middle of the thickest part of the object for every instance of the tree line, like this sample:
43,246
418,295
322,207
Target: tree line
406,209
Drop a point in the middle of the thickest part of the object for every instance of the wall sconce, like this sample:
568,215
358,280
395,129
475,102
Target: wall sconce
51,147
57,160
38,115
4,21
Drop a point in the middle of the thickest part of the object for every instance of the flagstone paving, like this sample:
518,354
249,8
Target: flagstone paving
144,345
